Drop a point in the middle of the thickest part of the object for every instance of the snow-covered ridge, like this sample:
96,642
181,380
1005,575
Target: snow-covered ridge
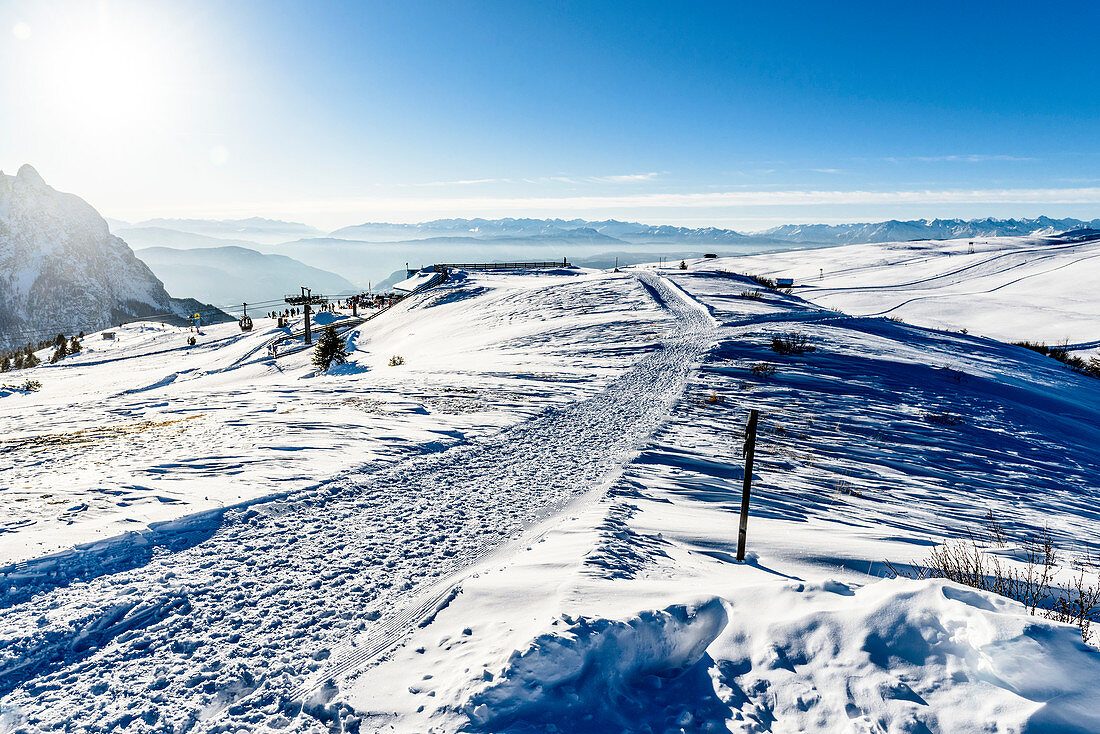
61,270
637,233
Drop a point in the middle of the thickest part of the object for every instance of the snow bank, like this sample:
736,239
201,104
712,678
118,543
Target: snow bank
577,673
894,656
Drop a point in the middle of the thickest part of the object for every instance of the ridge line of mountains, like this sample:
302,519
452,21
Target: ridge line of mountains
608,231
64,268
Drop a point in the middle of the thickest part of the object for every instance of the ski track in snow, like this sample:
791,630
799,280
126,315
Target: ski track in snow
241,630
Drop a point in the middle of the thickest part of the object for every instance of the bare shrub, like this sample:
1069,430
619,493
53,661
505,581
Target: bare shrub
967,561
751,295
768,283
714,398
792,343
763,369
942,419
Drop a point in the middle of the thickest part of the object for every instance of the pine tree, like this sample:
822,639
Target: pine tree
330,349
31,360
59,340
60,353
74,346
683,265
5,363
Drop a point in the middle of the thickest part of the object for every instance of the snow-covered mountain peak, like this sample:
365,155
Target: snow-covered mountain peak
29,176
61,270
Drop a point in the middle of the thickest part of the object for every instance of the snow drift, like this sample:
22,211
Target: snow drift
895,656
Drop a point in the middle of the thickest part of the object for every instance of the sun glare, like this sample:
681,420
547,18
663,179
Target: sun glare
119,77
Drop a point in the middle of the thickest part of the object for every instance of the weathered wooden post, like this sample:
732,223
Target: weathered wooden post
749,450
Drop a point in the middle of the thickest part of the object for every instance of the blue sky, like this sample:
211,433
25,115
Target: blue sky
736,114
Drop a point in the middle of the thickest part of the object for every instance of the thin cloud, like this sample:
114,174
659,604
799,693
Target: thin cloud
461,182
968,158
625,178
576,180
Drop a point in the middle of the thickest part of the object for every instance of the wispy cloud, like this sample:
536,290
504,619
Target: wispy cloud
966,158
461,182
625,178
617,178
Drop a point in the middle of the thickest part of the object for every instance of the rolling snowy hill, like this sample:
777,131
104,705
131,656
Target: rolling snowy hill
528,524
1040,289
62,271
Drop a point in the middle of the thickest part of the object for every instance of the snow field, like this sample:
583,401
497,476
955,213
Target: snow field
569,634
571,569
1010,288
284,589
142,430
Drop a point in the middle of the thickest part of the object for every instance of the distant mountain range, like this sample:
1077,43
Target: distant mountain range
231,275
61,270
611,230
923,229
509,230
253,229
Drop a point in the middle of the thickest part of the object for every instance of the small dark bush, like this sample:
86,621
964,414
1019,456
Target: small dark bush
396,360
942,419
768,283
792,343
763,369
1061,353
752,295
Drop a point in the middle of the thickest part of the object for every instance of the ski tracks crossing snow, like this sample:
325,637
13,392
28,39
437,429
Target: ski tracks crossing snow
293,593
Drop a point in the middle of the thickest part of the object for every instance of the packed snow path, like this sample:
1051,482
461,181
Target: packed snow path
238,631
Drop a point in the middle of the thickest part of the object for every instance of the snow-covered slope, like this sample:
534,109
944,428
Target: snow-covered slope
60,268
224,275
1040,289
533,520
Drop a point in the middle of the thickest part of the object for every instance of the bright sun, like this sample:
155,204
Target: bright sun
116,76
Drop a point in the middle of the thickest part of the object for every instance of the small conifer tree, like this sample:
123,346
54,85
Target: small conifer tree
59,353
330,349
683,265
5,363
74,346
59,340
31,360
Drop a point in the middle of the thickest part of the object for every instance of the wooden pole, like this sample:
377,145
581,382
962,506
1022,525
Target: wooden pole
749,451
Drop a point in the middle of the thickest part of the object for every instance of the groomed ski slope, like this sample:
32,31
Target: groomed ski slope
570,568
1038,288
633,615
326,576
136,433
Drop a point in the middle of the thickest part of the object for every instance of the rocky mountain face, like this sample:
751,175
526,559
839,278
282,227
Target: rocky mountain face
61,270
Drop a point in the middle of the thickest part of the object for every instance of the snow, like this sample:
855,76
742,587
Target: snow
1004,289
421,278
531,524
